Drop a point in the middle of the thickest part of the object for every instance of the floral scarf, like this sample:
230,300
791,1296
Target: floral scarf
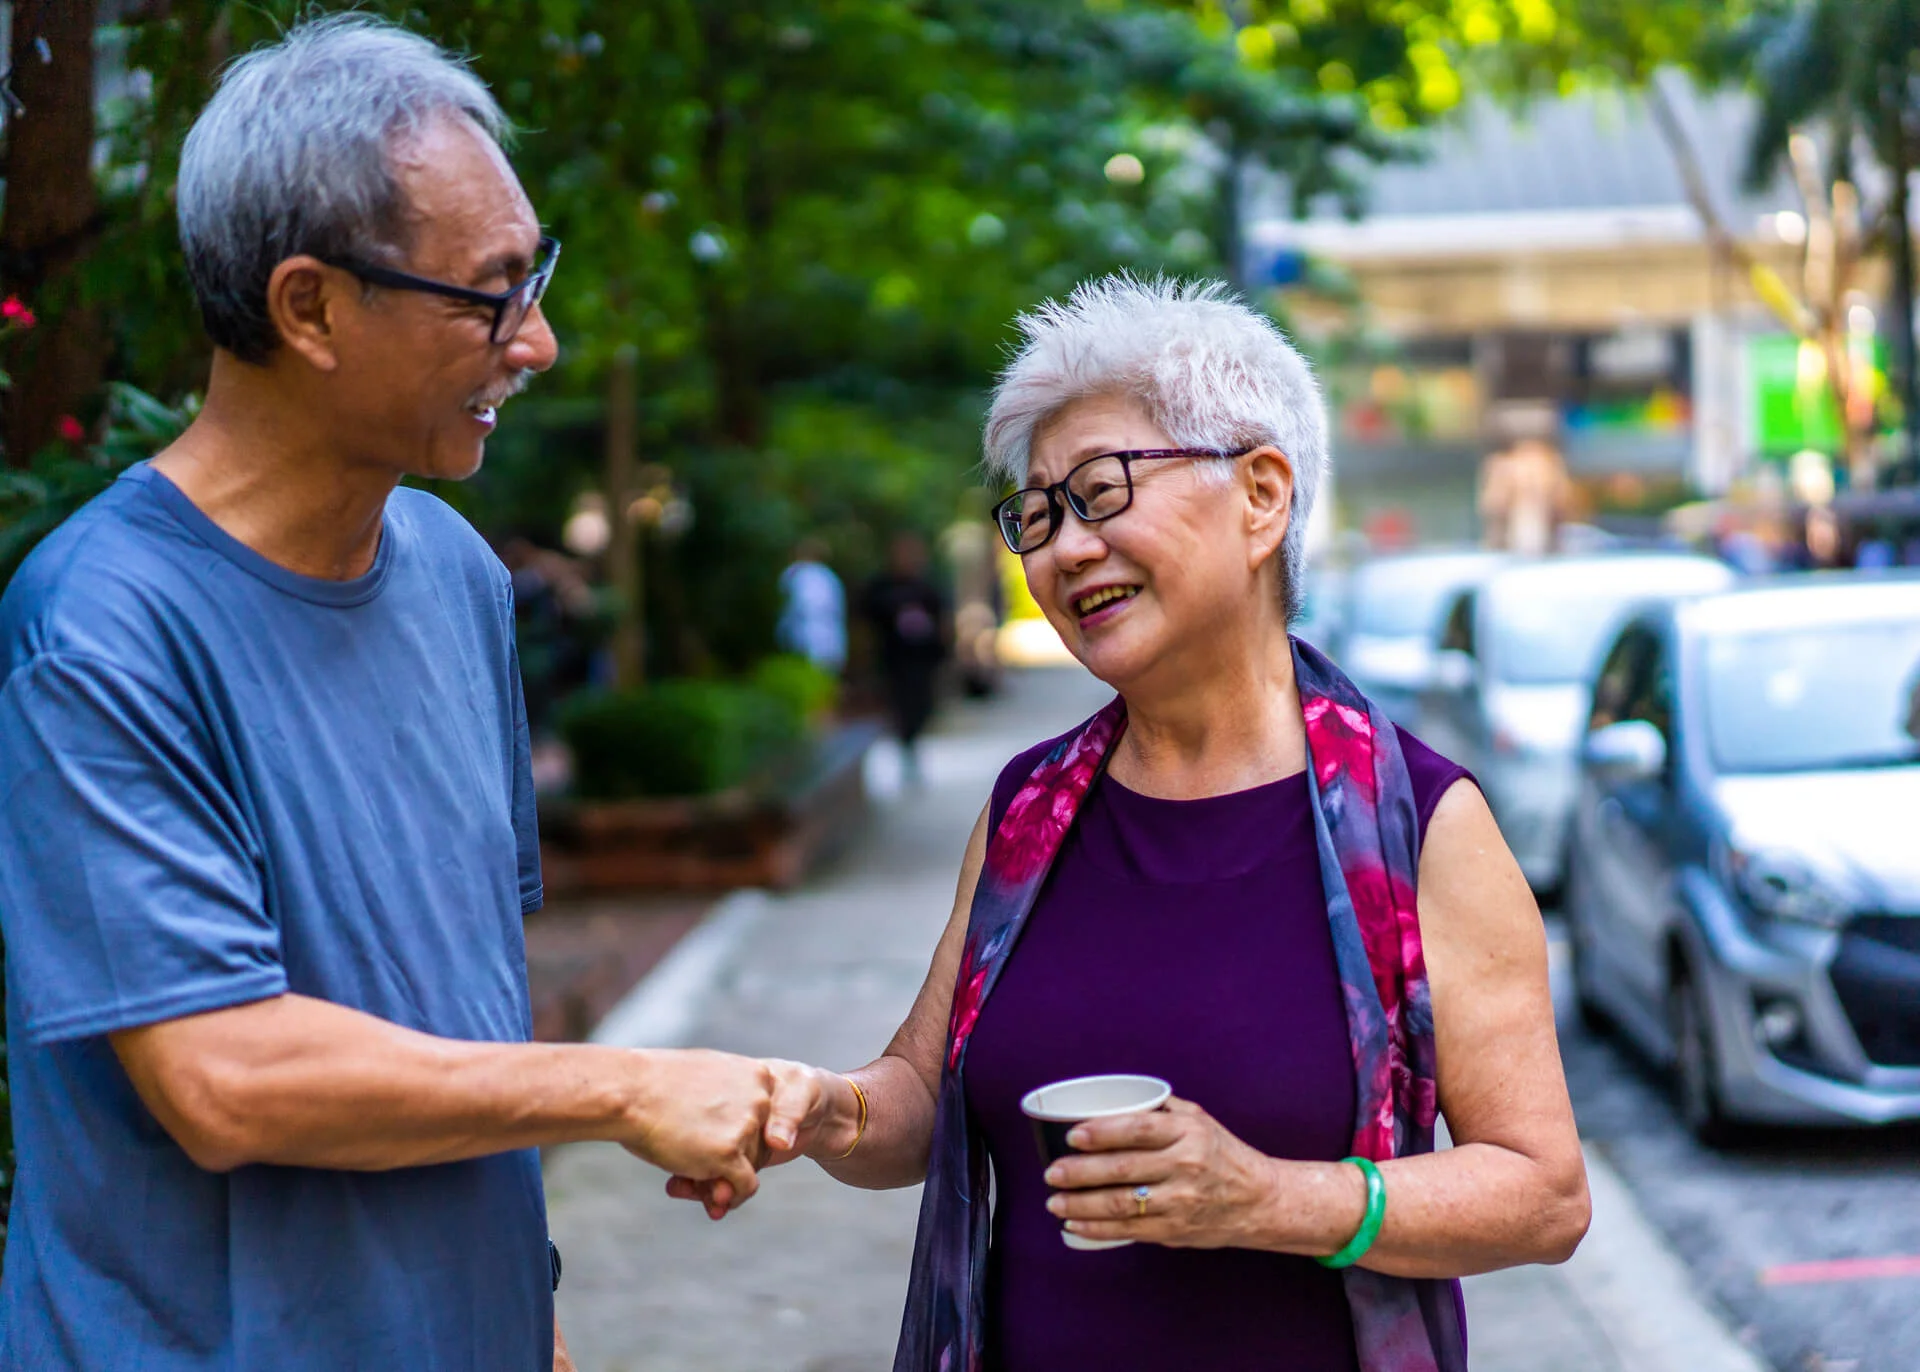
1367,828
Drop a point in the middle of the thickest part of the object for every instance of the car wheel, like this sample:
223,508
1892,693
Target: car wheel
1580,956
1696,1064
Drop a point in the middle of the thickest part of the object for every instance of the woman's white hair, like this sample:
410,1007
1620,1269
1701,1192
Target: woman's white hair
1211,372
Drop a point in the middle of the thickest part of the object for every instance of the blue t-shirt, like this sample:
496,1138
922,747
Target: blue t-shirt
221,781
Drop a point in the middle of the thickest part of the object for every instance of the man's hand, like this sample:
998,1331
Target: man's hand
708,1117
562,1360
802,1110
800,1114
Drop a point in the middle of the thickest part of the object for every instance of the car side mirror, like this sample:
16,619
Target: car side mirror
1618,754
1453,671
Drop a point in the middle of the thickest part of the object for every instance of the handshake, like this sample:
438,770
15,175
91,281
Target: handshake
714,1120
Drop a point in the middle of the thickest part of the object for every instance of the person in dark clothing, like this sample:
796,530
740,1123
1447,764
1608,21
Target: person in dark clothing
913,632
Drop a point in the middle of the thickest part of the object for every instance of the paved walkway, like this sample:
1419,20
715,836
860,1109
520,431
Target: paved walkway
811,1275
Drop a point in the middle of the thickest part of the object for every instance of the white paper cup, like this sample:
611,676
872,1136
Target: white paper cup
1057,1107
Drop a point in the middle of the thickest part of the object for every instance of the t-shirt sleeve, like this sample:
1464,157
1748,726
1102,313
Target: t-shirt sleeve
129,889
1431,774
526,809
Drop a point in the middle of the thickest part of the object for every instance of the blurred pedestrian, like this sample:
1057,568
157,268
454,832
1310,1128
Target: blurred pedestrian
267,831
1525,497
1238,877
972,551
813,613
912,634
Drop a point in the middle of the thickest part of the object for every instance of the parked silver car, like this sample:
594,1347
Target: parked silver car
1511,679
1744,888
1393,606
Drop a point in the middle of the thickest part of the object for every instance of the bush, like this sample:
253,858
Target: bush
677,738
811,692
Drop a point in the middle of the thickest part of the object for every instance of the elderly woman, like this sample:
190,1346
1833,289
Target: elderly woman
1237,877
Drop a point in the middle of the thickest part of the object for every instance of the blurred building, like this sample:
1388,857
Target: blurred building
1553,260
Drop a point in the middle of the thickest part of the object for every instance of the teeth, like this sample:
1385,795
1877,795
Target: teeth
1087,604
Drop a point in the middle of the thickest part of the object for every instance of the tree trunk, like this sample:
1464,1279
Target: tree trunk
623,546
1229,209
725,281
51,218
1906,359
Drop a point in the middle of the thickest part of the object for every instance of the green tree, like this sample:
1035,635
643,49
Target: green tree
1851,67
783,203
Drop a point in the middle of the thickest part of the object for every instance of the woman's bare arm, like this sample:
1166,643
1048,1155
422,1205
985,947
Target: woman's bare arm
1513,1188
904,1082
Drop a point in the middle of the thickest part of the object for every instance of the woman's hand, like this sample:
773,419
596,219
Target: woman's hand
1205,1188
801,1118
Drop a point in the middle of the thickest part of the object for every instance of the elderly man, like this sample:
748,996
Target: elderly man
269,824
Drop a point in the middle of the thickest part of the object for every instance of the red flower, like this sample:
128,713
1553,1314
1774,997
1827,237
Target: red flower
15,313
70,429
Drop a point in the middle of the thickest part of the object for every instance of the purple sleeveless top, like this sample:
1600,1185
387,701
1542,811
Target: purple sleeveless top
1187,939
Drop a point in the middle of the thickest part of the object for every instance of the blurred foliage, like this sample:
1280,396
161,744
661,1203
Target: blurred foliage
1851,70
34,499
1411,61
677,738
813,219
1852,64
810,691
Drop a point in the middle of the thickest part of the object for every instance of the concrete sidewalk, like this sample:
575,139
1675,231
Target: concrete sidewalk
810,1277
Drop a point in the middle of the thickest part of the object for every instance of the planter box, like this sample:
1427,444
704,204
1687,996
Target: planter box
769,835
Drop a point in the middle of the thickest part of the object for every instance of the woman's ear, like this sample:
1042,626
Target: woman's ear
1269,488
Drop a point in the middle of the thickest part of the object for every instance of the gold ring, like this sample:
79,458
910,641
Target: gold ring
1140,1196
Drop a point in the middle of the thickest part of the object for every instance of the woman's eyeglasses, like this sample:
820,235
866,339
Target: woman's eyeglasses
1097,489
510,307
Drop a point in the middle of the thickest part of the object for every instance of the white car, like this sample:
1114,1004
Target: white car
1393,609
1512,681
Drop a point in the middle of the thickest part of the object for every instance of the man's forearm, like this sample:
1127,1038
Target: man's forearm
302,1082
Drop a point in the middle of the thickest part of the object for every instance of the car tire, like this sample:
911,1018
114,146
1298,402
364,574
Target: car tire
1593,1015
1696,1064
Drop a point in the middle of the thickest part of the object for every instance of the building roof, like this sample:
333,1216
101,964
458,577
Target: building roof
1589,171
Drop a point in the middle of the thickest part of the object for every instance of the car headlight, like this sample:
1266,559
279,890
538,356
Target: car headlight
1782,886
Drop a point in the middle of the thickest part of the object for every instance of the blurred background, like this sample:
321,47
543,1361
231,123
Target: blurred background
1614,304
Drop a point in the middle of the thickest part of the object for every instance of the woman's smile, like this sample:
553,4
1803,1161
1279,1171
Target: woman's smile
1102,603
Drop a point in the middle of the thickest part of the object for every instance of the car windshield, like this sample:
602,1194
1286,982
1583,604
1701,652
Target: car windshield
1537,639
1401,598
1547,629
1835,697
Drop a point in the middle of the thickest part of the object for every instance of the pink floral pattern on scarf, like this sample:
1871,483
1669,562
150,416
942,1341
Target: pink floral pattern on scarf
1367,832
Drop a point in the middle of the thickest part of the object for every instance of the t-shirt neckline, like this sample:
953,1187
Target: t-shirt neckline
316,590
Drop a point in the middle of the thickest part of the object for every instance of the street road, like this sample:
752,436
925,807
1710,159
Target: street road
1752,1221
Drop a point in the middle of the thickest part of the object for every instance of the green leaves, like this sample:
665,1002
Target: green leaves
34,500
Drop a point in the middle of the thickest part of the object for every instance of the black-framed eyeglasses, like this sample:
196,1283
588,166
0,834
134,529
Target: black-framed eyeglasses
510,307
1097,489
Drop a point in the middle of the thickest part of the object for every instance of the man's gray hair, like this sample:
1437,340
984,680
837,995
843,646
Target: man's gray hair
1210,371
292,156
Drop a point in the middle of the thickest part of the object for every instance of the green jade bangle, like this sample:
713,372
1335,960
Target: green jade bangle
1376,1216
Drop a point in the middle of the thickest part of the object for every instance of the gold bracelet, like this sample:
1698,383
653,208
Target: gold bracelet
860,1131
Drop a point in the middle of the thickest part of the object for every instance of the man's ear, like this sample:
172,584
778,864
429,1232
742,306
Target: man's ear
1269,488
304,300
